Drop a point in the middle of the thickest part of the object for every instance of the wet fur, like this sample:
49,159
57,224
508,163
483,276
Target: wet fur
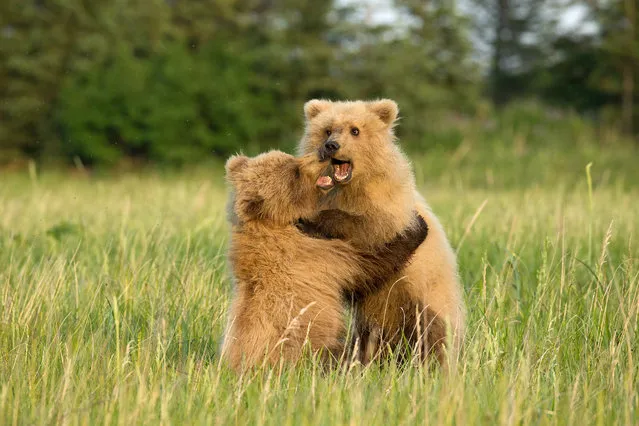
288,286
374,205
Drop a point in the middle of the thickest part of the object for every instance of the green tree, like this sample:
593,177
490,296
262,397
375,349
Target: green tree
45,42
423,61
517,35
36,50
176,81
597,72
619,21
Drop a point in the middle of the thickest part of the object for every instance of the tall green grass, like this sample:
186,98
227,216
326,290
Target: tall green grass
113,296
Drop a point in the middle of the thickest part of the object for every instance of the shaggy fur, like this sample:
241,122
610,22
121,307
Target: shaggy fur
288,285
375,204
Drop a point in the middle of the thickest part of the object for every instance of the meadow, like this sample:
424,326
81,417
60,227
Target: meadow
113,297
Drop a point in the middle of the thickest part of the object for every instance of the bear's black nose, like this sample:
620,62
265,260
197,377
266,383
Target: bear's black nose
330,147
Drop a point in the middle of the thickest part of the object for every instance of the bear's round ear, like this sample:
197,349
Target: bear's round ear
235,164
385,109
314,107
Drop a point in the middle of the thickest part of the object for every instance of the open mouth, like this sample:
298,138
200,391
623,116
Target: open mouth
342,170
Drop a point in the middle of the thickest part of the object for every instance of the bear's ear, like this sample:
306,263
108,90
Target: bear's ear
314,107
234,165
251,207
385,109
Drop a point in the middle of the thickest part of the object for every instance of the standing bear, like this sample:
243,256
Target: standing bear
421,308
289,285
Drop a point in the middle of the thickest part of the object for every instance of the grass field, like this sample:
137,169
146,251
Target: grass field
113,298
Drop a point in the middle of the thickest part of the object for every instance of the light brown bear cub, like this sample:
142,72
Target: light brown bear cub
289,285
375,200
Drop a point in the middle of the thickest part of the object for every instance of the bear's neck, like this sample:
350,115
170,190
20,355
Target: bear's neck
383,205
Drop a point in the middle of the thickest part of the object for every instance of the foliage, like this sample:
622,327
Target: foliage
426,67
592,71
175,82
174,107
104,83
516,35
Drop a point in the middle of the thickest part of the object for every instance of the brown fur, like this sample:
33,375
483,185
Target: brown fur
374,205
288,285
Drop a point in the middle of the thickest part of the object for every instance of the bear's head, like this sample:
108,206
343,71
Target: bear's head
356,136
273,186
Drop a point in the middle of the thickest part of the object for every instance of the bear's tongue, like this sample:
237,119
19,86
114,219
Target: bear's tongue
324,182
342,171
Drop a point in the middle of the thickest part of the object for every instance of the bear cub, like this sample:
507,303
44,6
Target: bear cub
288,285
374,198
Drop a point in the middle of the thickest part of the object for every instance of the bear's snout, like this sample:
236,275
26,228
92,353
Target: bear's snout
328,149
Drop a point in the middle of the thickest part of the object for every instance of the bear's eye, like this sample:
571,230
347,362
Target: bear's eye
354,131
328,132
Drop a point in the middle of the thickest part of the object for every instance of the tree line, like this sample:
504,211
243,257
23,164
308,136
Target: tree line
591,68
176,81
